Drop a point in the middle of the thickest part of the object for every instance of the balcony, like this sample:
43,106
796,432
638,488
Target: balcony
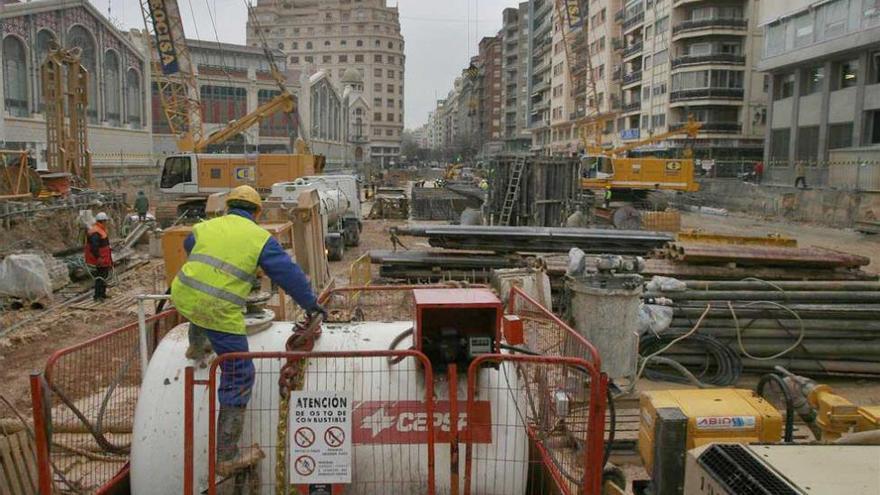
541,86
615,74
714,58
577,115
619,15
633,21
632,107
632,77
718,23
632,49
713,127
540,106
707,94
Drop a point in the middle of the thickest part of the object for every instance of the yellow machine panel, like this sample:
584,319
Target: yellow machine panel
714,415
261,171
645,173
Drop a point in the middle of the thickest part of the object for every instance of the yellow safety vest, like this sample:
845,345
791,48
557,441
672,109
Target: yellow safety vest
211,288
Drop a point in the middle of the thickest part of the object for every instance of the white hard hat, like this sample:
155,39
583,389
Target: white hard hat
101,217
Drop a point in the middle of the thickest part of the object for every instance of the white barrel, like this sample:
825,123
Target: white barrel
500,465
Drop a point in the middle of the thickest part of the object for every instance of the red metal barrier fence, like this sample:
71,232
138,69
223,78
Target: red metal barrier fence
87,406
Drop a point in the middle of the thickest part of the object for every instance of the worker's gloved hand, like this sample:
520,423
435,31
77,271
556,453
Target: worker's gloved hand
316,310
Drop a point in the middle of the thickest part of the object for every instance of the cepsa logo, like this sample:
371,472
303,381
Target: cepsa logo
399,422
725,422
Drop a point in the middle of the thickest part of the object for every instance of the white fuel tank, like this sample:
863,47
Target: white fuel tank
500,464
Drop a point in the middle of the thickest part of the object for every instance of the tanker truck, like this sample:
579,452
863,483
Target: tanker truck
340,207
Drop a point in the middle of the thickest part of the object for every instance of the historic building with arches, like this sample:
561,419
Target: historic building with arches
119,123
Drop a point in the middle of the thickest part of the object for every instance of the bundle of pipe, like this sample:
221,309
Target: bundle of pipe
501,239
817,327
811,257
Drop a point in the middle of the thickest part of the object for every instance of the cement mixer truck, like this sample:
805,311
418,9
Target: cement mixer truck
340,207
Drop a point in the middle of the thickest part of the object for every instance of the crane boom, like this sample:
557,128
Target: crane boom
173,72
691,128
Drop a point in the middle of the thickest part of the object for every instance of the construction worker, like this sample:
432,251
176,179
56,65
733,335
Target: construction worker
210,291
97,255
607,196
484,185
141,206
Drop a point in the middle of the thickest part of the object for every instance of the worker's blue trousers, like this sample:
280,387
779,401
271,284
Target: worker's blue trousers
236,375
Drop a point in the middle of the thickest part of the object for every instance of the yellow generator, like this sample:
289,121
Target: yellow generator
676,421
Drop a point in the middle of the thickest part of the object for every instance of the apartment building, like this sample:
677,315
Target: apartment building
539,68
823,63
515,77
333,35
489,93
697,58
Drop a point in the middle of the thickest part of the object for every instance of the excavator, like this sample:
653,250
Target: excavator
191,175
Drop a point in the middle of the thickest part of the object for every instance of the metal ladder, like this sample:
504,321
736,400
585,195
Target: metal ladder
512,190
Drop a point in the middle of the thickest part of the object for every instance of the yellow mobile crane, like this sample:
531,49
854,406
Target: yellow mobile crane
612,168
190,176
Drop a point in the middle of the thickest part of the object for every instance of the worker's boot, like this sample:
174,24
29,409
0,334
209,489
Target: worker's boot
199,345
230,423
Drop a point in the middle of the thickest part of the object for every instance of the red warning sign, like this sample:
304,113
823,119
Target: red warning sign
304,437
397,422
304,465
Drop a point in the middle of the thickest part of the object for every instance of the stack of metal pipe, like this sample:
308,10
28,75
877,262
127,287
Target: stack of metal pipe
817,327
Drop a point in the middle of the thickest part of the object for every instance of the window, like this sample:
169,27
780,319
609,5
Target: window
377,59
78,36
784,86
294,45
112,89
390,117
658,120
390,45
389,102
803,29
377,102
358,58
390,88
133,98
377,117
281,46
344,42
699,49
847,74
659,89
377,87
812,80
309,59
220,104
661,26
646,92
377,132
835,18
343,59
661,57
390,74
327,43
377,72
359,43
807,143
389,132
391,59
840,135
327,59
309,45
779,142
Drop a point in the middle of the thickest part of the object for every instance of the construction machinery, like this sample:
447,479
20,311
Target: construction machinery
65,93
340,207
188,177
732,441
632,178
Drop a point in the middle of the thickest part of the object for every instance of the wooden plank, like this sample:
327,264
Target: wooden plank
18,462
5,488
28,459
8,465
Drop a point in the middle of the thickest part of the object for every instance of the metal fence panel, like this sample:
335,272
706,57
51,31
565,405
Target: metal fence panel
92,392
394,425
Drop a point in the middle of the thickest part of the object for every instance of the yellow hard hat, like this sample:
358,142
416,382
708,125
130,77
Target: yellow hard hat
247,194
608,186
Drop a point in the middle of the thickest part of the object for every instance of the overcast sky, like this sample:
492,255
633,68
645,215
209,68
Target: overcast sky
440,37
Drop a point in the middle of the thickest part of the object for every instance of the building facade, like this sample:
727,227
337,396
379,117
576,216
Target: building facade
539,70
694,58
489,62
233,81
117,112
515,77
823,67
335,35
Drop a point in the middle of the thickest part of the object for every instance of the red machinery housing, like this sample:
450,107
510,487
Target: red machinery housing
455,326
